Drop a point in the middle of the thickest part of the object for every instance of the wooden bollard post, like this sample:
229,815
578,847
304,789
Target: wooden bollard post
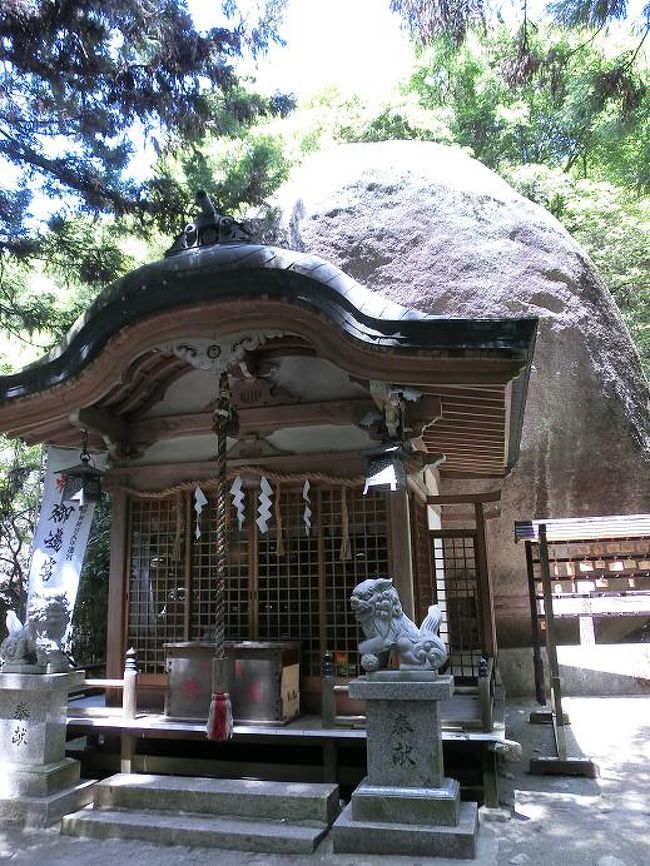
328,698
129,707
130,697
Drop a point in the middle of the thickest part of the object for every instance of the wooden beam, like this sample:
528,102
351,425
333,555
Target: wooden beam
113,429
478,392
401,553
477,398
486,595
460,473
464,498
465,465
117,587
460,439
605,605
477,449
260,419
448,427
148,477
472,416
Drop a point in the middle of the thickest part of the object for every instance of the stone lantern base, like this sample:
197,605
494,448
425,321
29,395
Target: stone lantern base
406,805
38,784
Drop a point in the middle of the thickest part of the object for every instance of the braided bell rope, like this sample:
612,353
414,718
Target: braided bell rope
221,417
345,551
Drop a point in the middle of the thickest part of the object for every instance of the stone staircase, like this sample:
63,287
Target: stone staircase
237,814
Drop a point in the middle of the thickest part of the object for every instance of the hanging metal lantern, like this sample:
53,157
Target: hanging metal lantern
83,483
386,469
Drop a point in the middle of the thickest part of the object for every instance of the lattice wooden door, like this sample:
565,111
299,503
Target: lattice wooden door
457,591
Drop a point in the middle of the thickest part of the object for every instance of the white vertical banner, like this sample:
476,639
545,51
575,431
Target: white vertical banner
62,531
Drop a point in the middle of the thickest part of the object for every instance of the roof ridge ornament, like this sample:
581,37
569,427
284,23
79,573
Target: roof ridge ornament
209,228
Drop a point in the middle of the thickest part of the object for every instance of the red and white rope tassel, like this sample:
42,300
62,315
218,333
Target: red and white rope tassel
220,722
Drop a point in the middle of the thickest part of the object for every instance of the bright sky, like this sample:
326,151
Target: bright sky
355,44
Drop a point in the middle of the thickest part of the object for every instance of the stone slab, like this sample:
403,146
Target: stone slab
44,811
196,831
375,837
292,801
545,717
39,682
550,766
402,689
417,676
39,780
17,668
422,806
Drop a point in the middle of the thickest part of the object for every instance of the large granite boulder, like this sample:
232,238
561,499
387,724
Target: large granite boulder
429,227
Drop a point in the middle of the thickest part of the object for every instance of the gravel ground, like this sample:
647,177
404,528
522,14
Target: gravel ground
551,820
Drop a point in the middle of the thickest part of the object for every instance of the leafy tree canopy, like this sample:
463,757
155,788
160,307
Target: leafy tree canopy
556,99
83,85
428,19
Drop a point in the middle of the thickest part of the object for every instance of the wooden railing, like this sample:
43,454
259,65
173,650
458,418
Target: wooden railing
128,685
484,688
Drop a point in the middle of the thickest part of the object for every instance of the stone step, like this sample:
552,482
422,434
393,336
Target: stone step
292,801
196,831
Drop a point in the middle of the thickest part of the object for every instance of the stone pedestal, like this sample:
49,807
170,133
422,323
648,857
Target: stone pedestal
38,784
406,805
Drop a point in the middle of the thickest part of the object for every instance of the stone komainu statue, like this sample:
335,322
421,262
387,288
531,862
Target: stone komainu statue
378,609
40,640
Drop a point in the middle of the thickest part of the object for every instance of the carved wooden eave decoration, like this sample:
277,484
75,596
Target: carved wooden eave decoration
123,353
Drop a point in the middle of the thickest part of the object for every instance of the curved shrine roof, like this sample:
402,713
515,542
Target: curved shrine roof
225,286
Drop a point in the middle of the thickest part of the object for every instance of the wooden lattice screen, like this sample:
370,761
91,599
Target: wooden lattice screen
457,591
302,594
157,592
422,558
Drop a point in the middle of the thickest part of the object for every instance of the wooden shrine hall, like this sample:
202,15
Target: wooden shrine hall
321,371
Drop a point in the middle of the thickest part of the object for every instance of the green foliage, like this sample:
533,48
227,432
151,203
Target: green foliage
550,98
82,83
20,487
88,636
237,171
427,19
399,119
588,13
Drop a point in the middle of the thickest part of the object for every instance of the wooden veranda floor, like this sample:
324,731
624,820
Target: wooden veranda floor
301,750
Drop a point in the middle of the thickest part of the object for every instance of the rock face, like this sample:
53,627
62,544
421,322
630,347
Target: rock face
429,227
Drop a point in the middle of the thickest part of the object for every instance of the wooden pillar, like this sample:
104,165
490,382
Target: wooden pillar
538,666
117,589
486,594
401,553
551,646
